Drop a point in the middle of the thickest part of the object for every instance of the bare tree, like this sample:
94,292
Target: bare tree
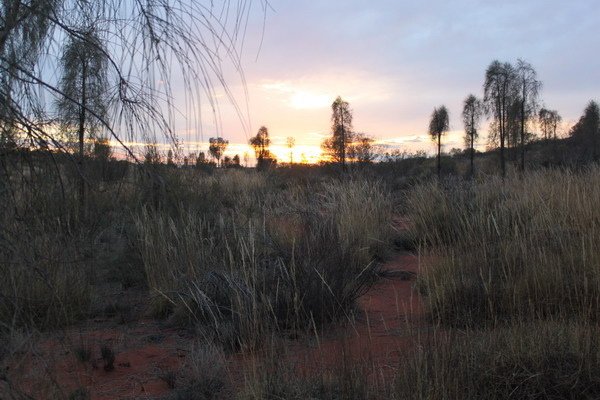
499,95
217,147
472,113
438,125
528,92
341,126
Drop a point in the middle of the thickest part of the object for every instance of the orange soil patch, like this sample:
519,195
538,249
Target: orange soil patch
388,319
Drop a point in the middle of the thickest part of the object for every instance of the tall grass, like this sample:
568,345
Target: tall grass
299,262
524,249
518,264
547,360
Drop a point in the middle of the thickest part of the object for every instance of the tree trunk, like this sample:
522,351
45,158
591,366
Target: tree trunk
439,158
472,145
523,130
82,135
343,140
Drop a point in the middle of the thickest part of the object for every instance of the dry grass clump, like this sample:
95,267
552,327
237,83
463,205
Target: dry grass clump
275,377
524,249
521,259
45,282
547,360
303,261
203,376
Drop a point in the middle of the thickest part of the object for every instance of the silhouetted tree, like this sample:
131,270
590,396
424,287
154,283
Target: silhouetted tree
260,143
290,142
341,126
586,132
85,86
472,113
528,91
549,121
438,125
201,159
152,156
217,147
144,40
102,149
361,149
170,158
499,96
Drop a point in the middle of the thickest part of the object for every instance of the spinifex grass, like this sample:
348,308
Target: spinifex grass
523,249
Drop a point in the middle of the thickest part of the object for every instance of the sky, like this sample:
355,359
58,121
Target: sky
394,61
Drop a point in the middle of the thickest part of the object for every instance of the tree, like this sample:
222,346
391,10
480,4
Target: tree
341,126
290,142
217,147
528,91
260,143
499,95
586,132
102,149
472,113
549,121
152,156
148,42
83,67
170,158
438,125
361,149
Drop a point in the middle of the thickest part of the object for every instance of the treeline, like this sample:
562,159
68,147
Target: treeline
511,102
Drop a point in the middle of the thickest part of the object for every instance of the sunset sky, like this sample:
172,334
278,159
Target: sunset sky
394,61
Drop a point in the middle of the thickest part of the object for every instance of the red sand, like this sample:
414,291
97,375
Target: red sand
388,318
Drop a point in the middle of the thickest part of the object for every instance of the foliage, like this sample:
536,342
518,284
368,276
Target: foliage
438,125
335,147
217,147
549,121
260,143
586,133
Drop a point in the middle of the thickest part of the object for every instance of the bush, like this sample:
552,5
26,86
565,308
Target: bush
298,264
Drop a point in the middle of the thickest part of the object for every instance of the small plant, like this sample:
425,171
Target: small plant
108,356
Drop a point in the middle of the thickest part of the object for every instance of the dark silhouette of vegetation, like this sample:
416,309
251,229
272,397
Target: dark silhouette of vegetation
438,125
499,94
361,150
336,147
549,121
586,133
528,88
472,113
290,143
84,78
260,143
217,147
